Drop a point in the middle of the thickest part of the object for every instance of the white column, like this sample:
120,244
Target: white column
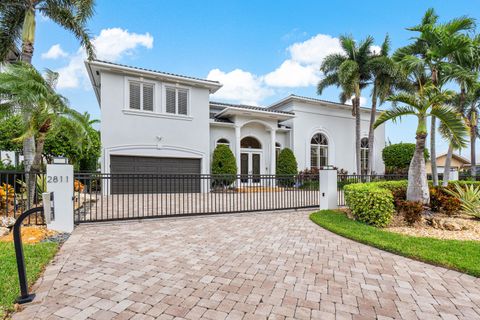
237,147
273,164
60,182
328,189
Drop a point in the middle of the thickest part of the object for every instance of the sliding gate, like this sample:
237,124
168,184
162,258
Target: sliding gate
121,196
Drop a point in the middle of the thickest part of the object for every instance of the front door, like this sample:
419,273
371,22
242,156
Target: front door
250,164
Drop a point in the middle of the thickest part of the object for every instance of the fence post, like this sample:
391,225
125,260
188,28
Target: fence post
328,189
60,182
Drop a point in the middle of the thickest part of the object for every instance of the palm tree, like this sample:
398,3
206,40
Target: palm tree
432,47
429,101
387,77
17,23
349,71
42,108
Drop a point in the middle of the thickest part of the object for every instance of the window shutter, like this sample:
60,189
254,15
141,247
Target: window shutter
148,97
135,95
170,100
182,101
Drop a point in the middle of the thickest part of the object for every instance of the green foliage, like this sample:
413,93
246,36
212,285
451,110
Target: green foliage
397,156
36,257
286,166
469,197
224,165
411,211
453,254
11,129
370,203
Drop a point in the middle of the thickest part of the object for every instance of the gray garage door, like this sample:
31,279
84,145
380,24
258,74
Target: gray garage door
132,174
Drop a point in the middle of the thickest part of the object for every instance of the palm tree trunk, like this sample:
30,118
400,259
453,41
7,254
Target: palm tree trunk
28,158
473,156
417,189
433,154
37,161
371,135
446,169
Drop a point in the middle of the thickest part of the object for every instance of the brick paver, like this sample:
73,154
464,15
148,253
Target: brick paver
245,266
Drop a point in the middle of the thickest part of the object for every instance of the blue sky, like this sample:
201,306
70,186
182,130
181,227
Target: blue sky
261,50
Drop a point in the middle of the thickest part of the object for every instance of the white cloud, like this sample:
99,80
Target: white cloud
315,49
293,74
376,49
239,86
54,52
111,44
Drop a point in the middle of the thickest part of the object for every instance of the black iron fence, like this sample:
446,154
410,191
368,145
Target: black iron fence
14,197
104,197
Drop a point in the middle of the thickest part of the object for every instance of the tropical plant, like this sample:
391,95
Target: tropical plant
431,51
469,196
42,108
429,101
349,70
387,77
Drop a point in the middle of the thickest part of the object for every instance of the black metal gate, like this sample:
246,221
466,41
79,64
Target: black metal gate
98,196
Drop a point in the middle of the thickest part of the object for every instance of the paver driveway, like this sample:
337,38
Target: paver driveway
250,266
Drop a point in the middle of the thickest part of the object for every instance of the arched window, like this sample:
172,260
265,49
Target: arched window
223,141
364,155
278,148
250,143
318,151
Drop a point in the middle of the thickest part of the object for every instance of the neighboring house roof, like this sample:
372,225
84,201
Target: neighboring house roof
95,65
455,156
294,97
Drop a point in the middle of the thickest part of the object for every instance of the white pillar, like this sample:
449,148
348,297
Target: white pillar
273,164
237,147
60,182
328,189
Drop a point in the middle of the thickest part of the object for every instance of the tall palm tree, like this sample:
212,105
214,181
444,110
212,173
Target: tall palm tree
429,101
387,77
350,71
433,46
42,108
18,20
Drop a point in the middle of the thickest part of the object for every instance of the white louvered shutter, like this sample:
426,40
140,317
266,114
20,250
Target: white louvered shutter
148,97
182,101
135,95
170,100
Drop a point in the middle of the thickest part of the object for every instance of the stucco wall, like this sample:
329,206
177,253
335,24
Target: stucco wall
127,132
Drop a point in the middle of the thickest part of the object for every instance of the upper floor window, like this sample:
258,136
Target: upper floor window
141,95
176,100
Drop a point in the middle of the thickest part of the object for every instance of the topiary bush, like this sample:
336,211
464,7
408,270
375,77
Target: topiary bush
397,157
370,203
224,165
286,167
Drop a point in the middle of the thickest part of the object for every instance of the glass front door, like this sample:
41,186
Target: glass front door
250,165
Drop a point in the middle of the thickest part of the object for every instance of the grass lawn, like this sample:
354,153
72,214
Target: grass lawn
36,257
463,256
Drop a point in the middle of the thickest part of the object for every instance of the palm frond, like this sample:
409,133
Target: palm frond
11,22
453,124
327,81
394,114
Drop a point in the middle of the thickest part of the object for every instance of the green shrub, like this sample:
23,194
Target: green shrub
370,203
397,157
286,166
223,165
411,211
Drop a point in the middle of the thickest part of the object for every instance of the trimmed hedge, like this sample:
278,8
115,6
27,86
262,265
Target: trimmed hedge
397,157
224,164
370,203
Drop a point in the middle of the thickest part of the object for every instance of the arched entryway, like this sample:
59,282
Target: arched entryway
251,160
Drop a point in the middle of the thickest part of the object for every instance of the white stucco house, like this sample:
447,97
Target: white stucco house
159,122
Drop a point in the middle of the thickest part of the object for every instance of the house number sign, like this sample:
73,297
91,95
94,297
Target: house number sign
57,179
